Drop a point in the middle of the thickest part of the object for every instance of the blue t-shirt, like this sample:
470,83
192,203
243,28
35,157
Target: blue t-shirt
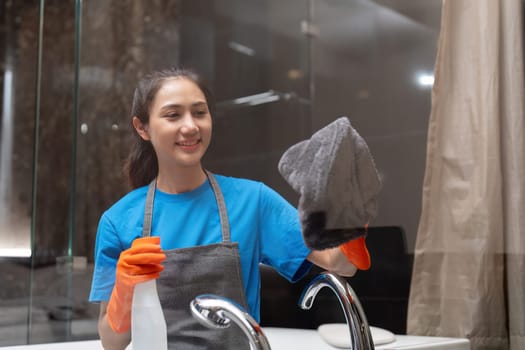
264,224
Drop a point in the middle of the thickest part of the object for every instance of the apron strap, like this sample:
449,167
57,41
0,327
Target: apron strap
223,214
148,210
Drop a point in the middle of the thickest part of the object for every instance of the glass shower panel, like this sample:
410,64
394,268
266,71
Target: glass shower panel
18,53
51,304
279,69
251,50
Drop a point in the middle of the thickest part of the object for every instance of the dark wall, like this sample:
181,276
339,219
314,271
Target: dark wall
383,290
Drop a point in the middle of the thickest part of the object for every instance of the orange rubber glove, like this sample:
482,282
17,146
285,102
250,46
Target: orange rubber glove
140,263
357,253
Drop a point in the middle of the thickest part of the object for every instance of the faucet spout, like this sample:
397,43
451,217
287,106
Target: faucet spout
360,336
217,312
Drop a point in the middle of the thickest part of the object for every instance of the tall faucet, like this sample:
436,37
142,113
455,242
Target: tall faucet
360,336
216,312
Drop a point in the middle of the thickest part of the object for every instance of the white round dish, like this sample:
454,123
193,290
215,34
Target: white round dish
338,335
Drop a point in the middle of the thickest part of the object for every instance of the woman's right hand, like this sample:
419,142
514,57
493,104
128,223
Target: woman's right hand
140,263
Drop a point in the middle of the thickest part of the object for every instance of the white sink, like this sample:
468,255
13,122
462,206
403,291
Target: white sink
290,338
307,339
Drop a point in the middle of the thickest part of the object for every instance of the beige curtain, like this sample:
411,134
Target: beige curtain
469,273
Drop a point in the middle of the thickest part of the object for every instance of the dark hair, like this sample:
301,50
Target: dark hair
141,166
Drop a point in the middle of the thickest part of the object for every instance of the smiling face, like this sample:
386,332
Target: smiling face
179,125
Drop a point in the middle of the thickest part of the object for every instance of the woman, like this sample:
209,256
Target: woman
206,234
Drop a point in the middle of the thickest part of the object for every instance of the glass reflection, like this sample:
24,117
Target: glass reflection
280,70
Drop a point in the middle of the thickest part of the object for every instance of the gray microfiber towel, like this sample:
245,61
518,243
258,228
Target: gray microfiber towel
338,183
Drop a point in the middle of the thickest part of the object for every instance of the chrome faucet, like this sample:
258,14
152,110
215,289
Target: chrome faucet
216,312
360,336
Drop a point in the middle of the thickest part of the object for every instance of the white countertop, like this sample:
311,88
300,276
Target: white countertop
286,339
289,338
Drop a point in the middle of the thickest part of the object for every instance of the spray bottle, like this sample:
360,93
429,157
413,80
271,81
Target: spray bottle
148,325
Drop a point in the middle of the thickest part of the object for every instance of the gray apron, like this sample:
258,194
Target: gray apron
188,272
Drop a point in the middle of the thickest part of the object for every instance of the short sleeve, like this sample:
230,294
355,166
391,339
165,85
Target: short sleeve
282,245
107,252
